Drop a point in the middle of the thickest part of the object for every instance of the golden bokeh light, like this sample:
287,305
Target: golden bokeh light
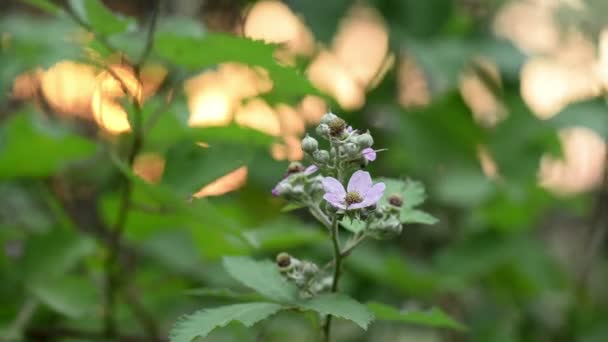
227,183
257,114
312,108
265,17
583,166
412,85
149,166
110,88
361,44
486,108
68,88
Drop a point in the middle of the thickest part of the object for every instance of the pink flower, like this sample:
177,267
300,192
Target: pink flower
361,192
369,154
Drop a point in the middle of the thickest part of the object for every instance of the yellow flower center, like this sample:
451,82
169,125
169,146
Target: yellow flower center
353,197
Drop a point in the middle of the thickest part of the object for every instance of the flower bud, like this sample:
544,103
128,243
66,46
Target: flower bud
364,140
395,200
321,156
328,117
284,262
323,130
337,128
351,150
309,269
309,144
295,167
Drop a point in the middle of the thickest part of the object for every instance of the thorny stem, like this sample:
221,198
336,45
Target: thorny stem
337,271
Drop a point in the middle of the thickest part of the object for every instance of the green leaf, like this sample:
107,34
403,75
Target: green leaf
464,187
225,294
213,49
261,276
417,216
44,5
323,20
51,255
431,318
292,206
53,145
190,167
340,306
202,322
101,19
352,225
74,297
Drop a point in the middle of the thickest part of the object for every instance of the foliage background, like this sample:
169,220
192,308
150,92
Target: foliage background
496,106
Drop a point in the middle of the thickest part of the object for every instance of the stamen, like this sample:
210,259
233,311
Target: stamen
353,197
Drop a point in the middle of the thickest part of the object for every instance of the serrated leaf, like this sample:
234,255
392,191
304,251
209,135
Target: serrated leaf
417,216
213,49
352,225
44,5
202,322
101,19
224,294
261,276
74,297
431,318
341,306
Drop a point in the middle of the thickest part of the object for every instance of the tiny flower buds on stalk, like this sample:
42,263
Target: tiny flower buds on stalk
364,140
321,156
323,130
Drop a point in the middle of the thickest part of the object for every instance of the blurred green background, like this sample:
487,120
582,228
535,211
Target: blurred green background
496,106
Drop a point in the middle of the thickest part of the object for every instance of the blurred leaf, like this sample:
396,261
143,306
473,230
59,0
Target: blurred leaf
101,19
202,322
592,114
51,255
54,147
44,5
431,318
176,250
321,17
261,276
292,206
283,234
464,187
72,296
394,271
217,48
189,167
341,306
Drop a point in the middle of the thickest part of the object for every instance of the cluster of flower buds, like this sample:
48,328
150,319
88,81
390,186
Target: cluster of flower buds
385,221
354,147
298,182
305,274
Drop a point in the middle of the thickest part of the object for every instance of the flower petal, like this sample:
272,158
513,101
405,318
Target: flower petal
373,195
311,169
360,182
333,186
334,200
369,154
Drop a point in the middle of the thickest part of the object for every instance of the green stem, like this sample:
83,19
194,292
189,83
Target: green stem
337,272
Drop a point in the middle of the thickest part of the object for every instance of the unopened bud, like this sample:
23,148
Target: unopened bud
337,127
328,117
309,144
365,140
395,200
384,229
283,261
295,167
321,156
351,150
323,130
